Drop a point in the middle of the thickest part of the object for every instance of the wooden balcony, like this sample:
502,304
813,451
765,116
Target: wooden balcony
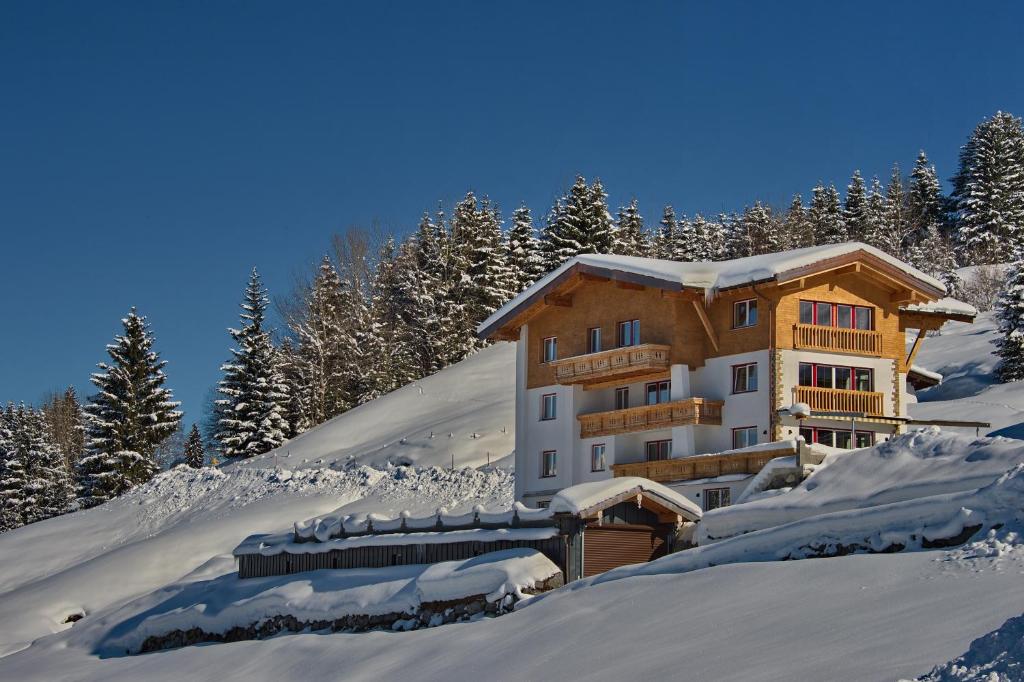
686,412
615,364
840,400
702,466
837,339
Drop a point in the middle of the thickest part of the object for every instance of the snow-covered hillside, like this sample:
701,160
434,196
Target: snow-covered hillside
964,354
466,411
728,611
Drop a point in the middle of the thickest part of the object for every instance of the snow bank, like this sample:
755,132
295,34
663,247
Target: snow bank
995,657
578,498
935,521
917,464
225,602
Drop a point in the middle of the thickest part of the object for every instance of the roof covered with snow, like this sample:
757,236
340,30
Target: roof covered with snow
708,276
943,306
587,497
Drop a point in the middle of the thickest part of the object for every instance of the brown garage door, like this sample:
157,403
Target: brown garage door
609,546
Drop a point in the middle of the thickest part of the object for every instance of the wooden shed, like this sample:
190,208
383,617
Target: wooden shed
588,529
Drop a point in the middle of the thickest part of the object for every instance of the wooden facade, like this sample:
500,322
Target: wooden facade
703,466
690,411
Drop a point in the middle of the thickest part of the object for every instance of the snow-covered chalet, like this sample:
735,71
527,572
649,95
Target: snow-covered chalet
688,373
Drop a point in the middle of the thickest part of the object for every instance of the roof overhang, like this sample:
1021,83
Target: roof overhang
905,286
648,499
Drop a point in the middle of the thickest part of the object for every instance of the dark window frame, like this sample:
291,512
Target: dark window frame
543,463
735,313
543,407
624,404
593,450
658,391
591,346
658,443
735,369
634,333
719,494
853,441
853,375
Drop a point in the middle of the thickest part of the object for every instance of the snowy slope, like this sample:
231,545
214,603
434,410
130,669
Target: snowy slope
468,407
963,354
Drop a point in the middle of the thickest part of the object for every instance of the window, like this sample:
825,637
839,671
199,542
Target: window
548,405
629,333
549,351
597,457
658,450
744,378
622,398
745,436
830,376
838,438
548,463
744,313
657,392
715,498
594,340
837,315
544,504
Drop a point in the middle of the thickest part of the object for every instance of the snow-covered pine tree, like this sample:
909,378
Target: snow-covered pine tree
195,454
738,240
855,209
881,232
797,226
1010,314
700,245
826,216
895,223
934,255
717,238
129,416
323,348
255,396
630,236
552,249
488,281
763,230
523,249
925,203
49,490
988,191
666,240
296,409
393,313
12,474
600,226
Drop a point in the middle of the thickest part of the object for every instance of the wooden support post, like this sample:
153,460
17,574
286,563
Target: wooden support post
703,315
916,347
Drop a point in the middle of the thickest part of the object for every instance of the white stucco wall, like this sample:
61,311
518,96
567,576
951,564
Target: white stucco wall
714,382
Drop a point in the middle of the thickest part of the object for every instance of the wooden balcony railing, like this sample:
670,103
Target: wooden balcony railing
837,339
703,466
617,363
840,400
676,413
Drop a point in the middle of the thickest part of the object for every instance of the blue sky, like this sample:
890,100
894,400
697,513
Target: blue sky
152,153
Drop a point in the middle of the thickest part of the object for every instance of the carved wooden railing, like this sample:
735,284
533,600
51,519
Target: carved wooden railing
838,339
675,413
703,466
840,400
612,363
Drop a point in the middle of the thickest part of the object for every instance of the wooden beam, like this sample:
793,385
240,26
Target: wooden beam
703,315
629,285
903,296
916,347
590,277
559,300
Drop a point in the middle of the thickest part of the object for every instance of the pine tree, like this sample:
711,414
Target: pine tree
797,226
705,241
826,216
882,232
578,223
738,240
12,474
934,255
66,422
553,251
925,203
988,191
895,225
855,209
666,241
254,393
393,313
759,231
129,416
48,487
488,281
1010,314
523,251
600,226
195,454
631,238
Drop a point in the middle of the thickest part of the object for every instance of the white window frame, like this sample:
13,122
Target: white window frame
545,470
544,402
545,357
748,306
747,374
594,461
748,430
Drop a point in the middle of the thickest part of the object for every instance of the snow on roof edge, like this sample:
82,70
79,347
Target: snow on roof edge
715,275
578,498
947,306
